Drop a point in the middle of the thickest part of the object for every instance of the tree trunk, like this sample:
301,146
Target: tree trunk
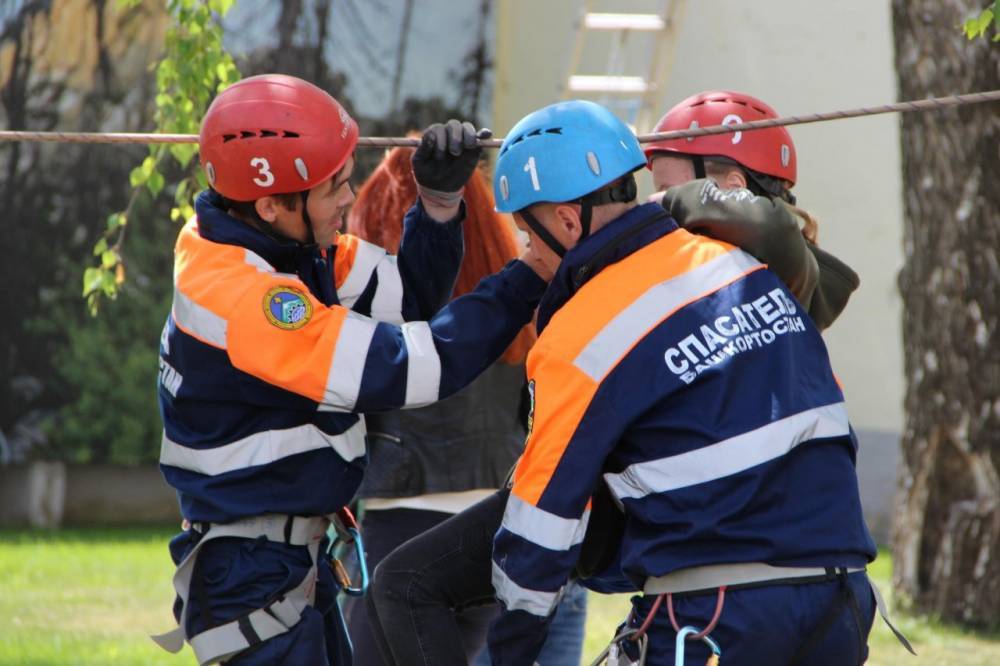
947,538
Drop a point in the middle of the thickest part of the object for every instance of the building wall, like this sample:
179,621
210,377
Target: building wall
800,57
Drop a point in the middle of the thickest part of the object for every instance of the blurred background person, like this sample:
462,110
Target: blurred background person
428,464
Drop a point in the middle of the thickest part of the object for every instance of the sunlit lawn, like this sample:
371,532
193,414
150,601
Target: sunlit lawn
93,596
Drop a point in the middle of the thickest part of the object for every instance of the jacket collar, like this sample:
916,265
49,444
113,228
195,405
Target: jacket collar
626,234
308,262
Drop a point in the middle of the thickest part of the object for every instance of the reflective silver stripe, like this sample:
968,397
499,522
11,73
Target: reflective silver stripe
343,383
258,262
366,259
716,575
262,448
629,326
541,527
199,321
423,365
387,304
730,456
518,598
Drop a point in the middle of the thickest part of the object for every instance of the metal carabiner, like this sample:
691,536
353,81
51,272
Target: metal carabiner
682,635
344,529
614,655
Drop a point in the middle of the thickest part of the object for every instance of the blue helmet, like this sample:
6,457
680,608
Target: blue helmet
561,153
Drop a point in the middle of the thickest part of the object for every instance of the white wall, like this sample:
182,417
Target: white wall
801,56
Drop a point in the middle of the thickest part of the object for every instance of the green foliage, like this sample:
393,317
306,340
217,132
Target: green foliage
195,67
976,27
107,365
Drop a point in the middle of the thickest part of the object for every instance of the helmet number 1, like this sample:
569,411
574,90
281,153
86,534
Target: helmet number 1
265,177
530,168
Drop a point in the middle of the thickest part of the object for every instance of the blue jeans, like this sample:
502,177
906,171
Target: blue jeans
564,644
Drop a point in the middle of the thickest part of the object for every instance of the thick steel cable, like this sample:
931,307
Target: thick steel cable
388,142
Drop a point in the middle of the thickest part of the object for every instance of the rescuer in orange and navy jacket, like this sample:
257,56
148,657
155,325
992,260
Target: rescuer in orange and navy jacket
683,372
282,332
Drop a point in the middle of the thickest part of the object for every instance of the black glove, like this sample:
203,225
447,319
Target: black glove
447,156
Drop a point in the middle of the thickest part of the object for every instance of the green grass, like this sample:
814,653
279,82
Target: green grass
85,597
92,597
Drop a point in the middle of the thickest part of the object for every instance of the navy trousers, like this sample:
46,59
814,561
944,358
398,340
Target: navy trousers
234,576
769,625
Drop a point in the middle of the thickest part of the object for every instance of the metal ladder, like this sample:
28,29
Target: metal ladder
637,95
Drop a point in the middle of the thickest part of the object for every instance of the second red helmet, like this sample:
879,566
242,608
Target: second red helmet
769,151
273,134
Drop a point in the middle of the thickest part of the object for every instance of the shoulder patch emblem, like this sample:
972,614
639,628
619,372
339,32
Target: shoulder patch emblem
287,308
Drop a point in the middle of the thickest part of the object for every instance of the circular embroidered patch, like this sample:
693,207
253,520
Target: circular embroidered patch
287,308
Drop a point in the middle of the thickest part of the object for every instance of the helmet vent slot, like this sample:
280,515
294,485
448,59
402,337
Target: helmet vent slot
554,130
267,133
226,138
246,134
290,135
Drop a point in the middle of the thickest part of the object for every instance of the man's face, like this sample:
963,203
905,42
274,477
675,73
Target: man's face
669,171
328,203
562,221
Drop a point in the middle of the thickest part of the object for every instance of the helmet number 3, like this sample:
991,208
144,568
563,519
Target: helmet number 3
530,168
264,176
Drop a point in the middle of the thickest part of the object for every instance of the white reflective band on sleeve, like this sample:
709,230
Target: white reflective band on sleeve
199,321
366,259
518,598
423,365
262,448
730,456
606,348
343,383
387,304
541,527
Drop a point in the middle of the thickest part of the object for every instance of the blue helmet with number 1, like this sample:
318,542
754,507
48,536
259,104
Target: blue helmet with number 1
561,153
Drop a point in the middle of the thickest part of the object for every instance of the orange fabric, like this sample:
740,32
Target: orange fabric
383,200
343,258
563,393
217,277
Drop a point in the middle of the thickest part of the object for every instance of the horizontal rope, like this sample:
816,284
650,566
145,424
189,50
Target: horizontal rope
389,142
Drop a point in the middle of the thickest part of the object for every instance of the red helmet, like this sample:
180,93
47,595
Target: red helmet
273,134
769,151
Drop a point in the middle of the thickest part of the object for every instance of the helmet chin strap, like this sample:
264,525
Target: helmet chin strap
622,190
310,236
542,233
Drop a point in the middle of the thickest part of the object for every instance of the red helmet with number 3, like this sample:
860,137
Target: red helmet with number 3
273,134
768,151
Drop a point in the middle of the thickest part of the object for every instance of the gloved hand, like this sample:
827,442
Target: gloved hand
445,159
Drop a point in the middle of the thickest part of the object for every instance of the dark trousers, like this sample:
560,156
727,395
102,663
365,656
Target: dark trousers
419,590
383,531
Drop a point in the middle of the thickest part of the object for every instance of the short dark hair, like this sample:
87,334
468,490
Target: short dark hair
247,209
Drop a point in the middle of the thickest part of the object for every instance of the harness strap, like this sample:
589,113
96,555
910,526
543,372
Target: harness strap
883,610
845,597
706,579
262,624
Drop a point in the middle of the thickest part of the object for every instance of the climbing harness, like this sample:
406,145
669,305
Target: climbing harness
283,613
616,653
343,533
